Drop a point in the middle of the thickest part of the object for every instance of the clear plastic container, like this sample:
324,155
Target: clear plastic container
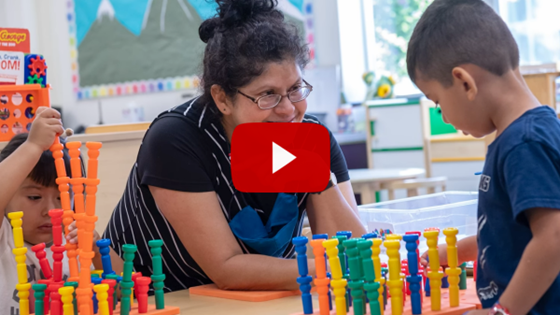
440,210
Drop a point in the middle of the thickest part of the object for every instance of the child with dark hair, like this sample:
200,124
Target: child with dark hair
464,58
28,184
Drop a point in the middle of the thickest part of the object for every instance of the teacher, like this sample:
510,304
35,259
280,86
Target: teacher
180,189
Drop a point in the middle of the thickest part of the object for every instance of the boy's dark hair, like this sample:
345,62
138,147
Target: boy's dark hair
242,39
44,172
455,32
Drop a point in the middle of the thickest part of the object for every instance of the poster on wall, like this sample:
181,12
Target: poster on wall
122,47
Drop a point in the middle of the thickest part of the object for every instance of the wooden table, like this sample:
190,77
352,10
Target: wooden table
203,305
367,181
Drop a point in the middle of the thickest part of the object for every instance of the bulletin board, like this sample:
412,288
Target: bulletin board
121,47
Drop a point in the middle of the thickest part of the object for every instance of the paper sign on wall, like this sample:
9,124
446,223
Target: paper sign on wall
14,39
12,68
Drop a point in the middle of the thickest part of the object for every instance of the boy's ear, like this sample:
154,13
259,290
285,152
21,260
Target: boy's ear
220,98
466,80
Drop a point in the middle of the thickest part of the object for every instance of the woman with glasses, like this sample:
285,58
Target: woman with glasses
180,189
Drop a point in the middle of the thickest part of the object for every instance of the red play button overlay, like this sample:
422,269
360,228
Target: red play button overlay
280,157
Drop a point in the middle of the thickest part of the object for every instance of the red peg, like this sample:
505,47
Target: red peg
58,256
112,283
56,220
142,286
56,303
41,255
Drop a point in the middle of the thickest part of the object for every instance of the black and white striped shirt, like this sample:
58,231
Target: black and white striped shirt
186,149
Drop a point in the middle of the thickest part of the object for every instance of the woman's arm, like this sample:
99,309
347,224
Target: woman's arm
198,220
334,210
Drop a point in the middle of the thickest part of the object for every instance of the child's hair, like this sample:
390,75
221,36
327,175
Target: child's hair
456,32
44,172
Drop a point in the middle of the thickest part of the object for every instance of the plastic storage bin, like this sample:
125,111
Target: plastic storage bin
441,210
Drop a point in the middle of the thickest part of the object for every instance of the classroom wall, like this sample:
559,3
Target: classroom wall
48,26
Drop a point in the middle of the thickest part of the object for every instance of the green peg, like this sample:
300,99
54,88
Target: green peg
115,299
75,286
39,295
372,291
353,259
126,283
357,289
158,276
463,277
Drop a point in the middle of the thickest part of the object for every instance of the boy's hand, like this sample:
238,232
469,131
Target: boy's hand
477,312
45,128
72,236
442,250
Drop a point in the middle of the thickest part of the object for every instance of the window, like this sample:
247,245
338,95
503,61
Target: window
393,22
535,26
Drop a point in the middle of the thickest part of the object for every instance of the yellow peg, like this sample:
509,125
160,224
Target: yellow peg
434,275
376,250
15,220
339,290
395,282
20,256
453,272
389,237
67,298
23,294
337,283
101,291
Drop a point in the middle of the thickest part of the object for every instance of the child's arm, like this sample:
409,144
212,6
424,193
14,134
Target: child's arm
539,265
16,167
467,250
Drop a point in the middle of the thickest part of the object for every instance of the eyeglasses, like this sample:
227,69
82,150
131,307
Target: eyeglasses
271,100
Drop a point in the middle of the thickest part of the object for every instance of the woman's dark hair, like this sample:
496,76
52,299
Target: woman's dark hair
44,172
243,37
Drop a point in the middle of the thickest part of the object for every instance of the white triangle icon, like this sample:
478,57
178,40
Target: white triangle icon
280,157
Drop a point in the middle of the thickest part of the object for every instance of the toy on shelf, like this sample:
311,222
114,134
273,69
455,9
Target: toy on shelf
367,275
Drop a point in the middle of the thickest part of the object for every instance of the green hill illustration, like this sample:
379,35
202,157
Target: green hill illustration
168,46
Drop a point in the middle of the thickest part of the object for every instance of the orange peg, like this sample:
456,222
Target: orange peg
56,149
75,161
93,154
91,190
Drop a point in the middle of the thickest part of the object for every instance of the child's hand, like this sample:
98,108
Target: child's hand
45,128
442,250
72,236
477,312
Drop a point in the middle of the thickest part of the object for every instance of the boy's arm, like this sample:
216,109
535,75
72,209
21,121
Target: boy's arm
467,250
539,265
16,167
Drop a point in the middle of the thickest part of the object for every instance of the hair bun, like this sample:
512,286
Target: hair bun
233,13
208,28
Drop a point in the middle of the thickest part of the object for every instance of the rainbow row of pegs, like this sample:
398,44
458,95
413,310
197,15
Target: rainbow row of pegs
85,292
359,278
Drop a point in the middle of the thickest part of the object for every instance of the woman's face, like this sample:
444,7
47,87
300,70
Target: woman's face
278,78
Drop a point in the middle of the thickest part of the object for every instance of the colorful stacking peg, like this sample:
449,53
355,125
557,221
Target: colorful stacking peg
95,281
341,237
370,286
304,279
41,255
356,284
434,275
414,279
112,299
338,283
16,222
325,237
67,296
375,251
463,279
142,286
101,291
157,276
395,283
56,303
321,282
126,283
75,286
453,271
39,294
